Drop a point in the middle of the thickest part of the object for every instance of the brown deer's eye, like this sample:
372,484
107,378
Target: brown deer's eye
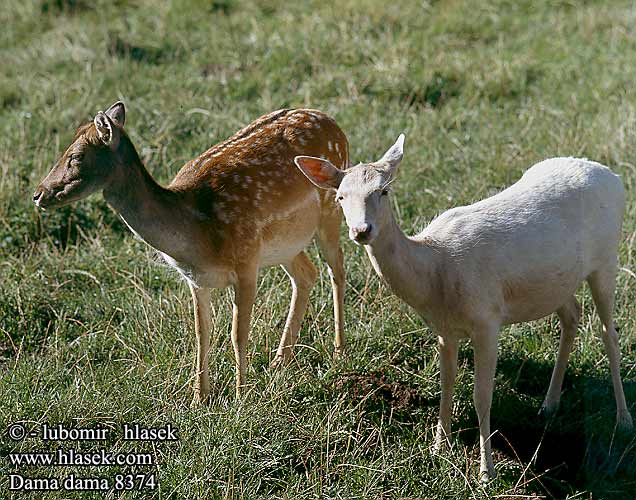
339,197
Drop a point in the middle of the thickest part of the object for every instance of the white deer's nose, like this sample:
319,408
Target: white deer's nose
361,233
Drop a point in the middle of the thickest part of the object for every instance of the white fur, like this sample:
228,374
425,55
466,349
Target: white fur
517,256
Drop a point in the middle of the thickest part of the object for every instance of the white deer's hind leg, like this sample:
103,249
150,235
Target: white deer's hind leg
447,374
485,349
569,316
602,284
303,275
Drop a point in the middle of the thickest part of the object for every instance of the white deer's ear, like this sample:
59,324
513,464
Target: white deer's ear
321,172
393,156
106,132
117,114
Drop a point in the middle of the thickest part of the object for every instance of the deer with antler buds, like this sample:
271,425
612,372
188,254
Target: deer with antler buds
240,206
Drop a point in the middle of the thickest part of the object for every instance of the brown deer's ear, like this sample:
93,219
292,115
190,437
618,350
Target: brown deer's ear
117,114
106,132
321,172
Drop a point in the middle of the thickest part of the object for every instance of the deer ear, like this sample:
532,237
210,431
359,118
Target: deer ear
117,114
321,172
393,156
108,134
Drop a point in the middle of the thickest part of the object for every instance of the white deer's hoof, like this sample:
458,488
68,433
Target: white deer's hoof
486,476
624,421
548,409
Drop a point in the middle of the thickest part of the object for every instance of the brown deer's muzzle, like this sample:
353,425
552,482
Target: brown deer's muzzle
44,197
41,197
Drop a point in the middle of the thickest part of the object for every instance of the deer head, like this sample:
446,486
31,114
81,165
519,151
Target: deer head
361,190
89,162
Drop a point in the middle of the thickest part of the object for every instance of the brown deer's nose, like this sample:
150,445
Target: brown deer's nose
37,196
361,233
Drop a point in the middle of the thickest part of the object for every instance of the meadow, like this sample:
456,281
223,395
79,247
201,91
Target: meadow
95,330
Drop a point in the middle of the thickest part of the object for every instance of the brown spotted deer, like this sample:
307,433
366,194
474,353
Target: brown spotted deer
240,206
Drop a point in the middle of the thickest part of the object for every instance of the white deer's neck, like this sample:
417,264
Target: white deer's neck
408,266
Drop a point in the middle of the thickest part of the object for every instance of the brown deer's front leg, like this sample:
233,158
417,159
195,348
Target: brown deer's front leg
201,302
244,294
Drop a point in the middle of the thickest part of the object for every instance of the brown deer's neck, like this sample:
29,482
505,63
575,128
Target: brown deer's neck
160,216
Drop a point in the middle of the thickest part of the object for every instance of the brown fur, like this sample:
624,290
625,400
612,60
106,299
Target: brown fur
239,206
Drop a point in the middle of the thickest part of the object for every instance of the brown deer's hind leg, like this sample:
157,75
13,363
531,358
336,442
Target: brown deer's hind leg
329,242
303,274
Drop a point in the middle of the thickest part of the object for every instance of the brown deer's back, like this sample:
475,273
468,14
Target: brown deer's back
257,162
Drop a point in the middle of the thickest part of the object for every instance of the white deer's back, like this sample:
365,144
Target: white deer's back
529,247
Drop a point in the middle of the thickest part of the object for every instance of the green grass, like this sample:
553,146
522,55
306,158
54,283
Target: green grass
93,329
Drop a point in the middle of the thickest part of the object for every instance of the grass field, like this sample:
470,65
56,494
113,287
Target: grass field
94,330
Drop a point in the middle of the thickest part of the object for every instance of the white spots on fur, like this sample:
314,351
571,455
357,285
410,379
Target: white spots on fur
330,145
337,148
222,217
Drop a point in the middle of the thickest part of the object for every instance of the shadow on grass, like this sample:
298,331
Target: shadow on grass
578,449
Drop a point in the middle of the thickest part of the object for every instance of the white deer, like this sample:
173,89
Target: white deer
517,256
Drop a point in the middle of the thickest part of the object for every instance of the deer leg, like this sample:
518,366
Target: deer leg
485,349
447,374
244,294
602,284
569,316
201,302
303,274
329,242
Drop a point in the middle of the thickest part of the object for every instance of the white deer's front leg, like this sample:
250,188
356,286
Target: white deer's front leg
201,303
485,350
447,374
